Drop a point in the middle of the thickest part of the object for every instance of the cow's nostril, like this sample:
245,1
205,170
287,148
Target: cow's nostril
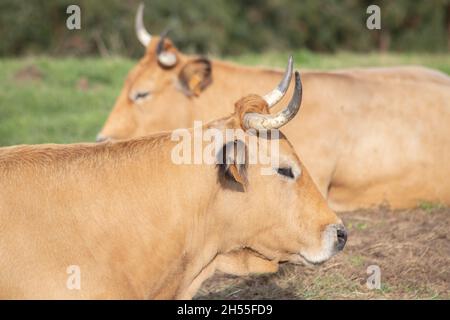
341,237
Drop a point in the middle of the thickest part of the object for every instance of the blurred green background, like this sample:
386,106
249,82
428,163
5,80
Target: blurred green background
225,27
58,85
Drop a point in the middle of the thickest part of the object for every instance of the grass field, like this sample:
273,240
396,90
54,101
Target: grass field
411,247
67,100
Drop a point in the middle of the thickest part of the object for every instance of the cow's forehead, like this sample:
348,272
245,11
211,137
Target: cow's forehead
280,151
287,152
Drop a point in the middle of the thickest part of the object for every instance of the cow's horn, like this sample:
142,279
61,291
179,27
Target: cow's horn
165,58
142,34
274,96
266,121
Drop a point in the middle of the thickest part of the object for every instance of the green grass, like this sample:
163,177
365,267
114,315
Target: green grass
357,260
54,109
329,287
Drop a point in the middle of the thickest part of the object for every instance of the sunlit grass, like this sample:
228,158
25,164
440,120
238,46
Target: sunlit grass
68,99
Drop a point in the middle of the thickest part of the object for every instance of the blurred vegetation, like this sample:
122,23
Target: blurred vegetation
63,100
224,27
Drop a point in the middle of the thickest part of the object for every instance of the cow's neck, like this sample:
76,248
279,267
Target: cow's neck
176,216
230,83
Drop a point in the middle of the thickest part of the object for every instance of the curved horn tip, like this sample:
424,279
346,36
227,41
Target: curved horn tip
290,64
298,84
142,34
296,101
298,80
284,83
268,122
273,97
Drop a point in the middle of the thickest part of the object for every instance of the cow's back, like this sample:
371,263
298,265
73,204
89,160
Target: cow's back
398,74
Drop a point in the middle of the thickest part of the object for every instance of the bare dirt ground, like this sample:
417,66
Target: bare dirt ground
411,247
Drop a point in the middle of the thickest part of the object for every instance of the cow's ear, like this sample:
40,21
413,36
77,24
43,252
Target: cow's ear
232,162
195,76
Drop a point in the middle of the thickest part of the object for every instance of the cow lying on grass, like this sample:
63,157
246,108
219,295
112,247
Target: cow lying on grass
133,224
367,136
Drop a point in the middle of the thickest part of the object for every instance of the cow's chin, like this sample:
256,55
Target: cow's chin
319,256
309,260
312,259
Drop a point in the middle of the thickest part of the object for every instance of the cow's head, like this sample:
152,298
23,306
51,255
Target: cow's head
281,215
163,74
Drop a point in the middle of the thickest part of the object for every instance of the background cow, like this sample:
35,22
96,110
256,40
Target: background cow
368,136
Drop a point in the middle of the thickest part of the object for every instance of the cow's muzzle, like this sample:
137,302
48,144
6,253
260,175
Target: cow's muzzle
334,238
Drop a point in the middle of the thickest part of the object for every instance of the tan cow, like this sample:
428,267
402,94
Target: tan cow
123,220
368,136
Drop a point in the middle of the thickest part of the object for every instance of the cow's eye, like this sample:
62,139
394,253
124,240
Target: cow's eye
140,95
287,172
